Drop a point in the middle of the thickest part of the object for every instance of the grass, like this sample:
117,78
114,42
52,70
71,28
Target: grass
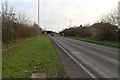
105,42
7,45
33,55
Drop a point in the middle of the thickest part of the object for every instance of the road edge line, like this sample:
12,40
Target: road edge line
86,70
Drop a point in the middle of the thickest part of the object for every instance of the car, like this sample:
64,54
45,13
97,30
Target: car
52,35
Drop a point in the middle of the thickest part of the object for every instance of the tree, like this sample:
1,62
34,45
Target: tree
111,17
22,18
8,22
104,31
16,26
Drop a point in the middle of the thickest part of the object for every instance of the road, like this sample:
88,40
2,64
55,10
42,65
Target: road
96,60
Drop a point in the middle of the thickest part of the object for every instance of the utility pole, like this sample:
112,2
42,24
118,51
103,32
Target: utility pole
38,18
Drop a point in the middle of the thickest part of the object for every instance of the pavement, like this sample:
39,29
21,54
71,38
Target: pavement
86,60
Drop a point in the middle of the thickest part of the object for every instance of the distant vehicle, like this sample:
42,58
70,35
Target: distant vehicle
52,35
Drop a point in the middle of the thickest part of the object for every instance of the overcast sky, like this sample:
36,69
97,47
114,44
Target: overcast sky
55,14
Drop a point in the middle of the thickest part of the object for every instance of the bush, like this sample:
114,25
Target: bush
98,31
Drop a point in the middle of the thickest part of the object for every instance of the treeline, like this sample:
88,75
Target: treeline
104,29
16,26
49,32
98,31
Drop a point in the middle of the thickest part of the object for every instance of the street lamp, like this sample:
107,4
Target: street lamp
38,17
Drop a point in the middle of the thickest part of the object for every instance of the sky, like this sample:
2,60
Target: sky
56,14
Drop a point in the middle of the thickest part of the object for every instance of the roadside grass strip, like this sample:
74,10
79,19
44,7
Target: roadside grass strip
34,55
101,42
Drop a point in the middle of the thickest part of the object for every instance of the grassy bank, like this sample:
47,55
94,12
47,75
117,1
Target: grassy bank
33,55
7,45
107,43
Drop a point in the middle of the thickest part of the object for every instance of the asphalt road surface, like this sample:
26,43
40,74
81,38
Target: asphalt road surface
96,60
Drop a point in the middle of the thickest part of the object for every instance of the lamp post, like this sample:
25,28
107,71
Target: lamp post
38,17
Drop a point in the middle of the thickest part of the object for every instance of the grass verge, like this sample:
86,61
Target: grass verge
10,44
106,43
33,55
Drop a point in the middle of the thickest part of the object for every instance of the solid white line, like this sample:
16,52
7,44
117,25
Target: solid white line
86,70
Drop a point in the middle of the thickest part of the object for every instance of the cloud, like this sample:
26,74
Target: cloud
80,11
53,13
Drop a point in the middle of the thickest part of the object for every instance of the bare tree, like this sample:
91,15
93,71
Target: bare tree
22,18
16,26
111,17
8,22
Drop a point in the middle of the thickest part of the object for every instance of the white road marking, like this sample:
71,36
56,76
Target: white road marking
86,70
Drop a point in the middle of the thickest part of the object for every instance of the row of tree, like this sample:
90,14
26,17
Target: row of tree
16,26
99,31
